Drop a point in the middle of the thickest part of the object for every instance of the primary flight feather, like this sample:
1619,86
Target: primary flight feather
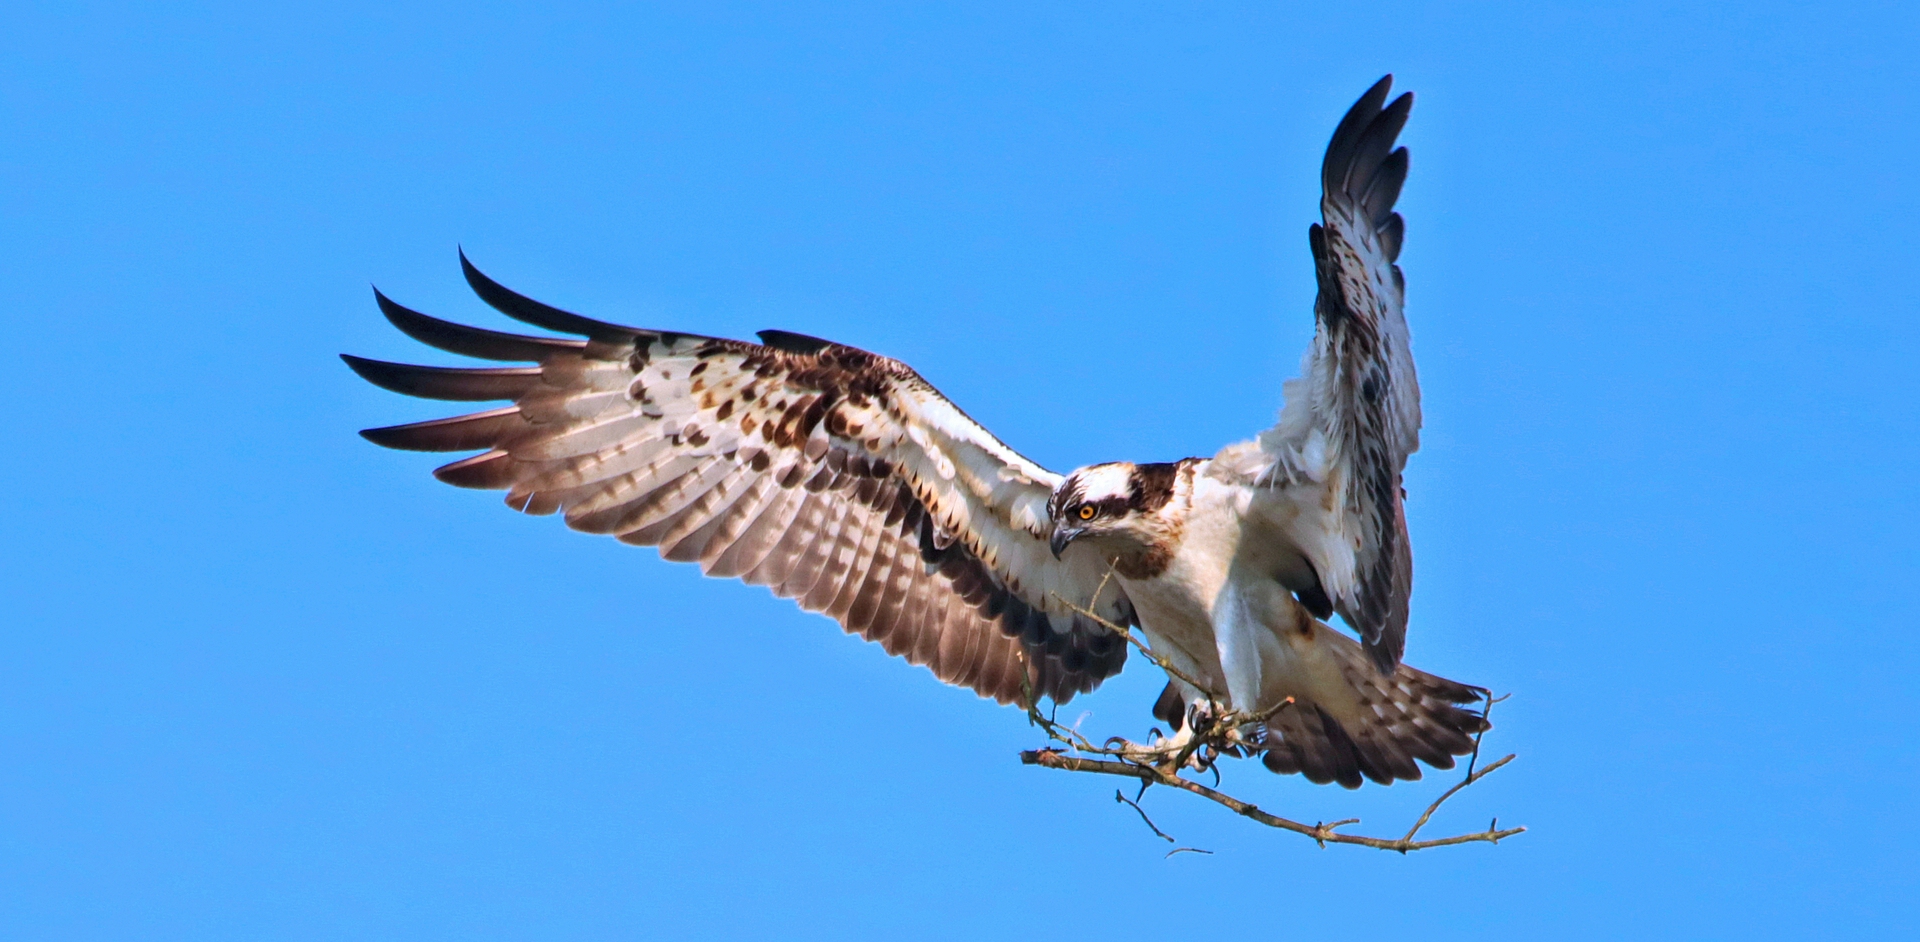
843,480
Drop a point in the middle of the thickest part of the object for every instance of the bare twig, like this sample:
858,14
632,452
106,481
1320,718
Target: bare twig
1128,636
1471,778
1485,712
1124,800
1210,736
1324,833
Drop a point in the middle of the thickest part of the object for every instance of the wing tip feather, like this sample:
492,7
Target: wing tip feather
540,314
1363,144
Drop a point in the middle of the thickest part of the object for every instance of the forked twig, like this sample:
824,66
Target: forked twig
1471,778
1323,833
1152,765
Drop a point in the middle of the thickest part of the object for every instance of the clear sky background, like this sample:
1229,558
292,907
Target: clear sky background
262,680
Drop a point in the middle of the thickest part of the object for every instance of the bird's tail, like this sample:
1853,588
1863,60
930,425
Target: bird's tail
1353,721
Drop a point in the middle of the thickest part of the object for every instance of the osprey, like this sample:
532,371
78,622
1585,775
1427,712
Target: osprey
841,479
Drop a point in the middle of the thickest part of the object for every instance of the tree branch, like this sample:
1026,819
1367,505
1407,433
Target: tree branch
1323,833
1212,736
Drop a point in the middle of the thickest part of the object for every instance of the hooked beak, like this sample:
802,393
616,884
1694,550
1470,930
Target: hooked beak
1061,537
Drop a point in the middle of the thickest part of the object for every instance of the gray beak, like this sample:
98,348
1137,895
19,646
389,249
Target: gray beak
1061,537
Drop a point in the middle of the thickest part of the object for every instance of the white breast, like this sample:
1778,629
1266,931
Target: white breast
1225,590
1176,607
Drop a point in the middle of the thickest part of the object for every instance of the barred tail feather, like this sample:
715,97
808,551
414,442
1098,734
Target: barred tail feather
1364,724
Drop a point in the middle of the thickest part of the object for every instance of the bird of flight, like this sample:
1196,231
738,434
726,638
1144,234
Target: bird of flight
842,480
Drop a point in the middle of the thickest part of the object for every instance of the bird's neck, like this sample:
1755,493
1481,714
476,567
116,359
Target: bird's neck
1146,549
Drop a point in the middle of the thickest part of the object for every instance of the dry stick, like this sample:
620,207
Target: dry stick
1323,833
1127,635
1168,774
1129,765
1471,778
1124,800
1485,712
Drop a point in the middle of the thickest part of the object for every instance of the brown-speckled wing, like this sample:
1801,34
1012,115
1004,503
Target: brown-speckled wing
1371,396
835,477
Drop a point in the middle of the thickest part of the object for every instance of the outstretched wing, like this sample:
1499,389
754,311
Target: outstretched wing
1354,416
836,477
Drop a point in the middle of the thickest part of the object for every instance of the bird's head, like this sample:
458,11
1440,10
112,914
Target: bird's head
1109,504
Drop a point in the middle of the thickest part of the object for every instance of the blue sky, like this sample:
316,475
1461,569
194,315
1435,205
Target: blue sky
259,679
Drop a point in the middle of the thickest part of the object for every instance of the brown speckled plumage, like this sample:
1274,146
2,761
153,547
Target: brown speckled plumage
747,463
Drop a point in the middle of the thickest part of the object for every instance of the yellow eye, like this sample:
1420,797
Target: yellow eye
1086,511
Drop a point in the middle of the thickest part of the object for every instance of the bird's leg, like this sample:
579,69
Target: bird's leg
1203,730
1204,733
1158,751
